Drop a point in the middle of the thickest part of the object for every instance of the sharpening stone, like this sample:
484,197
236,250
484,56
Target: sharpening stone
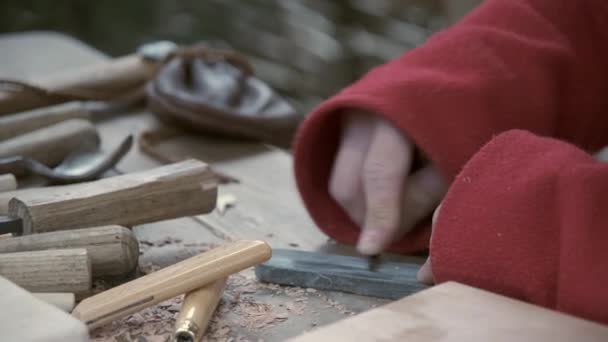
390,280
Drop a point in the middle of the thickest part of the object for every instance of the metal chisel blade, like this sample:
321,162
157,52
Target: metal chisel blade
11,225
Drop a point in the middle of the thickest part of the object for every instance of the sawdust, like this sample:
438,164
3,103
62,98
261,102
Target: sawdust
240,311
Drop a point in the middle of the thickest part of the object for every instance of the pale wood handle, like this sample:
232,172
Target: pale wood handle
124,73
183,277
196,312
181,189
113,250
20,123
50,145
8,182
63,301
61,270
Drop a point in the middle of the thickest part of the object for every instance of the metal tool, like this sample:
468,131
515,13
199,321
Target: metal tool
86,163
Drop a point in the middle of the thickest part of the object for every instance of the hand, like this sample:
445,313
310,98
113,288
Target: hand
425,273
372,181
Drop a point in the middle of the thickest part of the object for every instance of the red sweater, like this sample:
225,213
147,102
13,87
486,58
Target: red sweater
508,104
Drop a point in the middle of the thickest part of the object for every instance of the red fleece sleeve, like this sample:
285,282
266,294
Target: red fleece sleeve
538,65
527,217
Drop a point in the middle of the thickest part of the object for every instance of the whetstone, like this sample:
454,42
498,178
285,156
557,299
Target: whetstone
60,270
25,318
349,274
182,189
455,312
113,250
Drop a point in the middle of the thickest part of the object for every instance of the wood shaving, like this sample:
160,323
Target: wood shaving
225,202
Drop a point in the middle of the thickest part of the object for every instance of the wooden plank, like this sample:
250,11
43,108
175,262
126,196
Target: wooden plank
26,318
455,312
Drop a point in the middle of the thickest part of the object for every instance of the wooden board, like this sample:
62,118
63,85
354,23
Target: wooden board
26,318
455,312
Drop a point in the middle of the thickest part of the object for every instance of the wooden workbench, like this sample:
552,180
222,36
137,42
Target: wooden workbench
267,207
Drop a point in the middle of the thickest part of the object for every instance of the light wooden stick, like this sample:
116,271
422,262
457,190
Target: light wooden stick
61,270
8,182
105,79
50,145
183,277
63,301
24,122
113,250
181,189
196,312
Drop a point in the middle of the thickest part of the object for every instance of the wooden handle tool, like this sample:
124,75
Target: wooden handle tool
196,312
113,250
60,270
180,278
24,122
101,81
51,144
63,301
171,191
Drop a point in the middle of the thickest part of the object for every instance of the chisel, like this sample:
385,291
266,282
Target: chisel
182,189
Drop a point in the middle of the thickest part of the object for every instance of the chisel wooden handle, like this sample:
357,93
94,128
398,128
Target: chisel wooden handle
60,270
183,277
196,312
113,250
176,190
104,80
50,145
24,122
8,182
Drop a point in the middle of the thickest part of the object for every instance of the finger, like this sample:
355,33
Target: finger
345,184
387,165
423,192
425,273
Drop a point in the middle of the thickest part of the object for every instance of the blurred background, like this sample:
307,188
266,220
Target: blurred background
305,49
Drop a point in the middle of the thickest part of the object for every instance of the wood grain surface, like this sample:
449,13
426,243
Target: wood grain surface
61,270
455,312
171,191
113,250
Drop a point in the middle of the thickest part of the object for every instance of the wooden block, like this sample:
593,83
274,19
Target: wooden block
24,122
113,250
181,189
180,278
63,301
455,312
197,310
350,274
8,182
61,270
50,145
25,318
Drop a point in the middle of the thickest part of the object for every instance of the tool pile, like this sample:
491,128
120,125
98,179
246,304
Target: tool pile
73,227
